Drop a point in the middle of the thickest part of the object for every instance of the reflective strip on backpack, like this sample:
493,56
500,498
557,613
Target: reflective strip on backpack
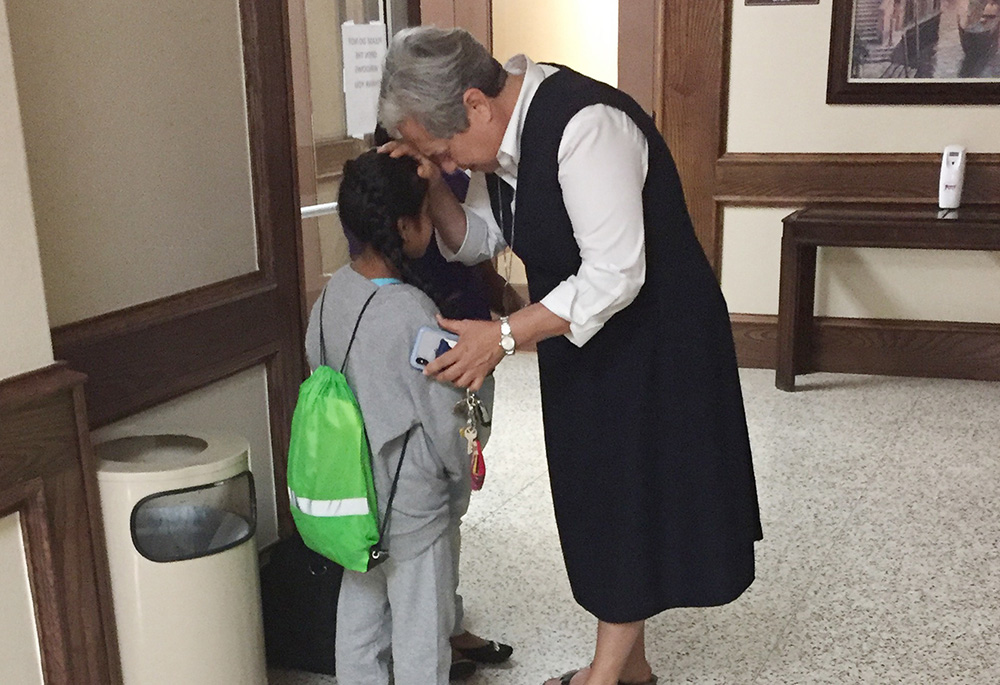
328,508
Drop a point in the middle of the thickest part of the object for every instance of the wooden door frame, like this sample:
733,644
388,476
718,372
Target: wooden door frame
144,355
48,477
692,62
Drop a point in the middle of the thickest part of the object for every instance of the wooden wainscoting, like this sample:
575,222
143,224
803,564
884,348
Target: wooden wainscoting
694,38
48,477
692,102
925,349
782,179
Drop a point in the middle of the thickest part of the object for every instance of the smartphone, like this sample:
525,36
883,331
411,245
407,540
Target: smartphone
430,344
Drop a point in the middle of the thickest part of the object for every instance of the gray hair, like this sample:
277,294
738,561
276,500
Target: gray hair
426,73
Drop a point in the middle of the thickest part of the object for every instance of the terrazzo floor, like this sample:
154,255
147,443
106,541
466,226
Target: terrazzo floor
880,563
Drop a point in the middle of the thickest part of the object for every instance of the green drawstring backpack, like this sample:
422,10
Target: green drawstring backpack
330,485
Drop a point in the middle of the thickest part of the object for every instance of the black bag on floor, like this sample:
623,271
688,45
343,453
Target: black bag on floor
299,590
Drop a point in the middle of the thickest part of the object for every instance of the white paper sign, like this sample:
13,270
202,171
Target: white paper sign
364,50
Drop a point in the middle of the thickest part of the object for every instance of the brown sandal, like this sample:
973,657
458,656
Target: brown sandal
652,681
566,677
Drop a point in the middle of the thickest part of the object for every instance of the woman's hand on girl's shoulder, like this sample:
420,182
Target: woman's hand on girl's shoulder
473,358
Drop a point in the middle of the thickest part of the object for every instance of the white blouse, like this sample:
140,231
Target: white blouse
603,159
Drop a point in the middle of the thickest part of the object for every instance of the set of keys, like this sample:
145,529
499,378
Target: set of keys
477,415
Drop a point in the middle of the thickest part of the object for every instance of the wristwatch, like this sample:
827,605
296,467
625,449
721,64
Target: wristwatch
506,339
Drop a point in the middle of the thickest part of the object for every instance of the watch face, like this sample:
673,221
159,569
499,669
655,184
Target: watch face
507,344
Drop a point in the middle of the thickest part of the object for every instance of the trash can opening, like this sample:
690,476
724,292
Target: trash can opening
177,525
144,448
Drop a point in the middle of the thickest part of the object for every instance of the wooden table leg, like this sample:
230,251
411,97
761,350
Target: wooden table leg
796,292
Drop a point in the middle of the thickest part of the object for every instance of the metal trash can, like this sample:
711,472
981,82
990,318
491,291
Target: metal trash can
179,519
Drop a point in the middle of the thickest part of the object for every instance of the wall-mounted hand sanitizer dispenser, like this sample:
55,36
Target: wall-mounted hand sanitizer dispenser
952,177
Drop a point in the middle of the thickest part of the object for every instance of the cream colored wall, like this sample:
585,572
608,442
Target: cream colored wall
25,344
778,104
19,652
891,284
237,405
136,133
581,35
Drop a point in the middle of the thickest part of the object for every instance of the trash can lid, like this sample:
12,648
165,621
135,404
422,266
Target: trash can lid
167,455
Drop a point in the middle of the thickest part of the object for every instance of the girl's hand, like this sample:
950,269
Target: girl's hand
474,356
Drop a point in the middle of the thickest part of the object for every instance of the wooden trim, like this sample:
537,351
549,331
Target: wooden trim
926,349
332,154
48,475
27,499
659,61
783,179
142,356
476,17
756,340
637,40
25,388
136,318
695,36
305,158
267,51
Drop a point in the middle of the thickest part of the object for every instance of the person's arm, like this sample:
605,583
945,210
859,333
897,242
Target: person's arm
503,298
599,143
464,233
478,349
433,402
446,212
312,337
602,144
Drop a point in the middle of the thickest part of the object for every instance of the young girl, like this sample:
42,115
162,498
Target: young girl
405,607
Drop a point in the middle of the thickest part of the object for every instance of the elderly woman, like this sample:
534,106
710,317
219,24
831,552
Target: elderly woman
645,433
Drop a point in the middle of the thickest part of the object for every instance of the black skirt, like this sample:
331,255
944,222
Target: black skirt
645,432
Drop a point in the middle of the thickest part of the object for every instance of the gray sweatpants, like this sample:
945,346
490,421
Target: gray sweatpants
455,533
405,608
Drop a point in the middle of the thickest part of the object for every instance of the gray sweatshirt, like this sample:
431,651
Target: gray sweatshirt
395,399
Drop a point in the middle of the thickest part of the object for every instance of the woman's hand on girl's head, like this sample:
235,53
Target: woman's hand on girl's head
400,148
473,358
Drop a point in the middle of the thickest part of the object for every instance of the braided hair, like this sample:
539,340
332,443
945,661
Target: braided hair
376,191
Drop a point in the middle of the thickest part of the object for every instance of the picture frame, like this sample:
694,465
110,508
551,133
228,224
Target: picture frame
914,52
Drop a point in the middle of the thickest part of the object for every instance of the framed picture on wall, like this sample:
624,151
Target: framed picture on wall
914,52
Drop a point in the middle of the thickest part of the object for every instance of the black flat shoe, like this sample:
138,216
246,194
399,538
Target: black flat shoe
490,653
462,669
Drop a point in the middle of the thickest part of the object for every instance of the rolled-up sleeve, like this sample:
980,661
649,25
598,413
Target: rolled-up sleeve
603,160
483,238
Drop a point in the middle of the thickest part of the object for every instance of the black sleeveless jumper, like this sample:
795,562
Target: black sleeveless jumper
645,432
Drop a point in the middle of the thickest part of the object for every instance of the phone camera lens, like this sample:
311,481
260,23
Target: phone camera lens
422,361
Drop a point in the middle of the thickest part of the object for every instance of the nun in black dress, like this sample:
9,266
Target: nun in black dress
645,432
